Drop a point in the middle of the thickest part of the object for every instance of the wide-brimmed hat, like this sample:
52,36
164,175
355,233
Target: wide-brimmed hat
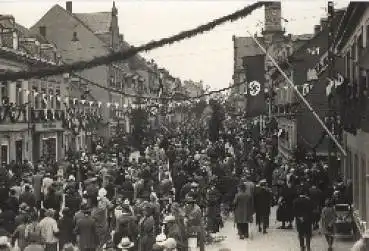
125,242
169,218
170,243
4,241
160,239
262,182
190,199
194,184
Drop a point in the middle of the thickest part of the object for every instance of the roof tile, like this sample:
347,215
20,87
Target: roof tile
98,22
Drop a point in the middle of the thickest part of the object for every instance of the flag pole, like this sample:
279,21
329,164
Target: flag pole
289,81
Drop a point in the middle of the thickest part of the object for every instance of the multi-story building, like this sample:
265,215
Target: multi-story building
33,109
299,129
83,36
280,47
352,43
247,51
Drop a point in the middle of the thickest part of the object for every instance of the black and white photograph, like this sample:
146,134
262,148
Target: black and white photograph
184,125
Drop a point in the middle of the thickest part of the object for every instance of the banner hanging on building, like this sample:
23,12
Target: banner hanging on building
255,77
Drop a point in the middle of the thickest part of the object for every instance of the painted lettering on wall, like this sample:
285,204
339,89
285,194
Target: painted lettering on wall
48,125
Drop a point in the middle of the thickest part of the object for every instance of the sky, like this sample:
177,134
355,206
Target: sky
207,57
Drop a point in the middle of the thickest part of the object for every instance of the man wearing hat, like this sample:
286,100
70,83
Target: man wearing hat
194,221
173,231
125,244
86,231
262,203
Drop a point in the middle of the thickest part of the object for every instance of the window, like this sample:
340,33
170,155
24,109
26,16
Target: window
360,45
348,65
367,36
353,62
356,181
57,99
36,97
19,94
4,93
43,98
51,98
363,189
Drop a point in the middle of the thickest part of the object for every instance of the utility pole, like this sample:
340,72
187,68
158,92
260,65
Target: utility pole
331,109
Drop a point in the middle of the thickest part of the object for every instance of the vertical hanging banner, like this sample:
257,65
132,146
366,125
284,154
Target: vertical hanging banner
255,77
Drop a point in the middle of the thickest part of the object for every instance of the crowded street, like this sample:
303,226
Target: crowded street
104,148
276,239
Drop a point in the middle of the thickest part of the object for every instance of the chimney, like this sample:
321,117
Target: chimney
68,6
42,30
324,23
316,29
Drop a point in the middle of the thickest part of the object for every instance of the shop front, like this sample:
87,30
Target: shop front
48,141
15,143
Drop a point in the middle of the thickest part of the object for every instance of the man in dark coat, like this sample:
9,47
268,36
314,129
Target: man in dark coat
303,210
263,201
86,231
28,197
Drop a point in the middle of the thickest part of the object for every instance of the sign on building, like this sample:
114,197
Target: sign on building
311,75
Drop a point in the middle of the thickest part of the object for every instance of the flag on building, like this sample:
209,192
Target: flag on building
330,86
255,77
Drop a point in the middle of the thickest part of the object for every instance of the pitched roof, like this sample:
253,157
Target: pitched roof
98,22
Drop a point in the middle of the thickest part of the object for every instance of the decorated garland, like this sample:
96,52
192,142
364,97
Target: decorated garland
119,56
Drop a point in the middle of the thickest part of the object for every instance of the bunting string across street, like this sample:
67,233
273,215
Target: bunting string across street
104,149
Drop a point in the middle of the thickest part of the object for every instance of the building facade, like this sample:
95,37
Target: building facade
351,43
83,36
33,110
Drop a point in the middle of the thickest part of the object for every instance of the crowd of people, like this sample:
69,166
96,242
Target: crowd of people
175,195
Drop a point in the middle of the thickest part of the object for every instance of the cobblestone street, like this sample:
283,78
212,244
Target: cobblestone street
276,240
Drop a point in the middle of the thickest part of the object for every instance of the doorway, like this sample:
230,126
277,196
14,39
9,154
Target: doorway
4,154
19,151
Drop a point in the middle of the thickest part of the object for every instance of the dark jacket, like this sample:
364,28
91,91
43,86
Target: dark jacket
86,229
263,201
73,201
29,198
66,234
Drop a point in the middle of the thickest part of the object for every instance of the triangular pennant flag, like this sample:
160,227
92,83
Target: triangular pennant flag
83,101
91,103
305,89
116,105
35,94
108,104
58,98
27,92
339,81
328,89
19,89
